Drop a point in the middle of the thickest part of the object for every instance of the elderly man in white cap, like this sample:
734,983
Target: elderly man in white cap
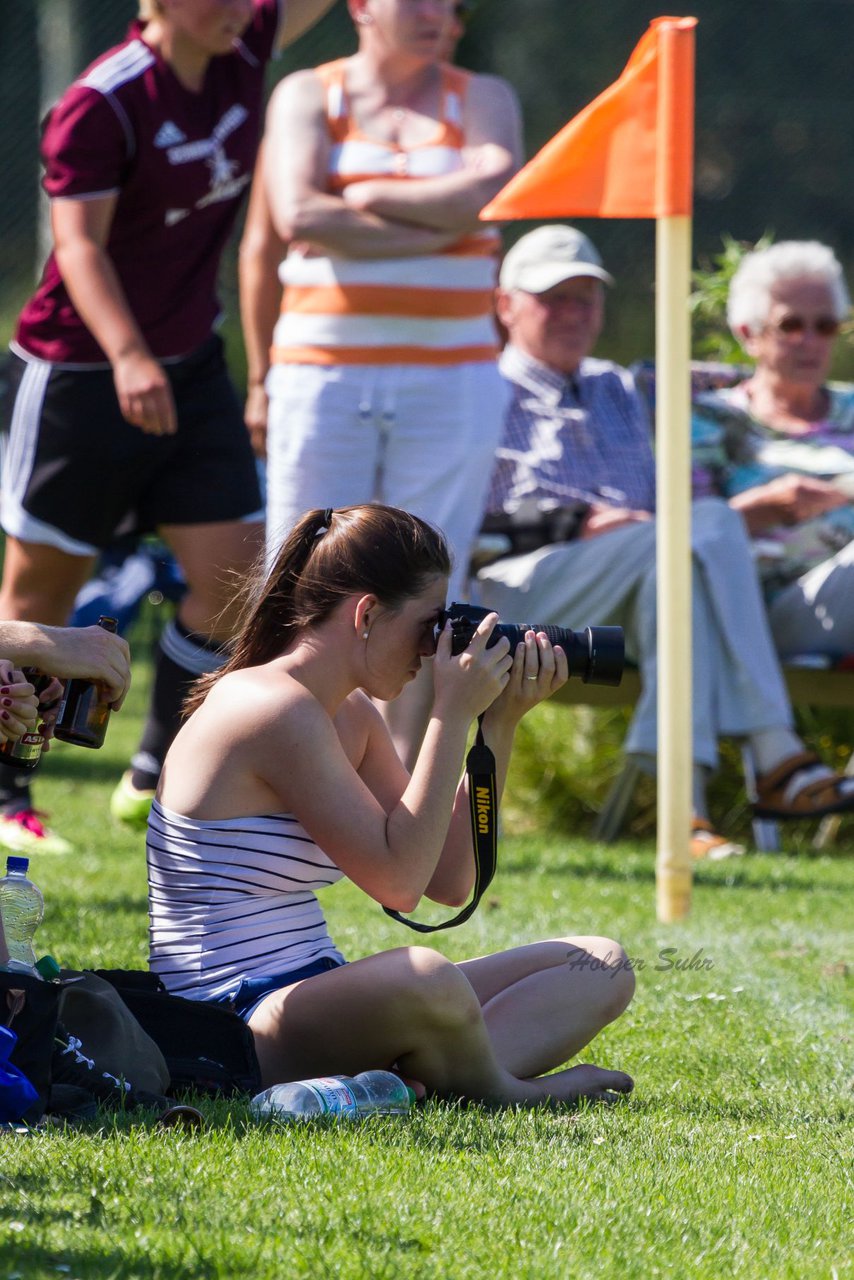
574,492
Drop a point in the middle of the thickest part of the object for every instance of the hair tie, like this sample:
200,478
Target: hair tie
325,523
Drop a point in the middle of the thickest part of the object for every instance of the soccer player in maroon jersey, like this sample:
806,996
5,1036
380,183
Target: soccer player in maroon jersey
123,415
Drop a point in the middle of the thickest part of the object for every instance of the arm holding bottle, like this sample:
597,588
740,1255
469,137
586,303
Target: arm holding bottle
90,653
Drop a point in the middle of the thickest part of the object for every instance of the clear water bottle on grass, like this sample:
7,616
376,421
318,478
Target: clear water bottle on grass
21,911
343,1097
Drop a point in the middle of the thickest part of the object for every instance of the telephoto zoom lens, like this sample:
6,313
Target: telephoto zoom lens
595,655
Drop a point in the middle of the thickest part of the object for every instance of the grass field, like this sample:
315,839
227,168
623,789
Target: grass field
732,1159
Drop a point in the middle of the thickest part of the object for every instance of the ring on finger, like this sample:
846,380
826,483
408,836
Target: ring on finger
530,677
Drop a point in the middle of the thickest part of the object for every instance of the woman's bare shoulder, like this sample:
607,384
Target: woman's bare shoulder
266,696
229,754
302,89
360,708
354,722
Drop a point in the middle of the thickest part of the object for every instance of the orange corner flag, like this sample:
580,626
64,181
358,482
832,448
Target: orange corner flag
629,154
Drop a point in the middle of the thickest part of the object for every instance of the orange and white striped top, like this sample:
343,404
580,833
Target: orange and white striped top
431,309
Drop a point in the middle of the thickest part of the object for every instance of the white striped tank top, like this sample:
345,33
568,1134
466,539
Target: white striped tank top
233,898
433,309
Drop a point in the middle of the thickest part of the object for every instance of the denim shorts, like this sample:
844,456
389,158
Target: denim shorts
252,991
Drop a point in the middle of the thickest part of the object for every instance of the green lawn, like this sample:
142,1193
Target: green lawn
732,1159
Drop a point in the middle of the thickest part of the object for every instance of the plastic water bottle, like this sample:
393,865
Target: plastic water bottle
21,911
344,1097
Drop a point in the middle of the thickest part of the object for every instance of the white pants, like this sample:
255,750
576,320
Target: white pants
738,688
816,613
417,437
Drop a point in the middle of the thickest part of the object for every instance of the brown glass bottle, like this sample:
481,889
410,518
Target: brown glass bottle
26,752
84,711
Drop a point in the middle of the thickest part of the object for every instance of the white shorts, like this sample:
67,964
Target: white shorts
412,436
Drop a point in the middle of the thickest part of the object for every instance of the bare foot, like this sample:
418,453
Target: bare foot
586,1081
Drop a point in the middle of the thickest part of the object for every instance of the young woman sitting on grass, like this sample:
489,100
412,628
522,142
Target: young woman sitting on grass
284,779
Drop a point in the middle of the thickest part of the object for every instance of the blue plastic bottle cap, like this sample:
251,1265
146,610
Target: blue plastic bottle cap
17,864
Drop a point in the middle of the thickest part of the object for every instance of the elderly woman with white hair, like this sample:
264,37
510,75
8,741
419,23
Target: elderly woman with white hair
780,447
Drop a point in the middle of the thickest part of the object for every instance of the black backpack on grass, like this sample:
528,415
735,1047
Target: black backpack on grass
208,1048
117,1036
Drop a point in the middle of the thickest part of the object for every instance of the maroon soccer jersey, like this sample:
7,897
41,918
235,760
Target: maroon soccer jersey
178,163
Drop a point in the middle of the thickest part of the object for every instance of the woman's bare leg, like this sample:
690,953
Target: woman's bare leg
542,1003
411,1007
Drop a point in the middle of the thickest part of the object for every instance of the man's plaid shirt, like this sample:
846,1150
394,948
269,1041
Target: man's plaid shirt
580,438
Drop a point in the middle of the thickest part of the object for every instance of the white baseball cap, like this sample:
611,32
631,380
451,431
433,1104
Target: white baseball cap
543,258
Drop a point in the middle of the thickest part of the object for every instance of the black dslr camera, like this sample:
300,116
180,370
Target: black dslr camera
596,654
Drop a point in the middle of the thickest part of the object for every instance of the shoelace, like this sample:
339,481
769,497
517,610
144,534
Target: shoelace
75,1046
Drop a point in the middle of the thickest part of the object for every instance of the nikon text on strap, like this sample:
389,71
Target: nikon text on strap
483,802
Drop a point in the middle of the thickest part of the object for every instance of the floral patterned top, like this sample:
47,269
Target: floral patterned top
732,451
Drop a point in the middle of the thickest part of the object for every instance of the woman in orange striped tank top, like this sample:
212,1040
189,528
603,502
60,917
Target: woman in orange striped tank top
383,383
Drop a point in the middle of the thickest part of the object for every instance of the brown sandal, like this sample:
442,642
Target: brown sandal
814,800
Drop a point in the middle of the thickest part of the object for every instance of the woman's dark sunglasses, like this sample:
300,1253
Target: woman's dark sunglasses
824,326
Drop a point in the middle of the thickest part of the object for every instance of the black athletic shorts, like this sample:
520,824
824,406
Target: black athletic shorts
75,473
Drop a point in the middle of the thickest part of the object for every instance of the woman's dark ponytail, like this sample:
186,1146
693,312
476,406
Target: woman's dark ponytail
328,555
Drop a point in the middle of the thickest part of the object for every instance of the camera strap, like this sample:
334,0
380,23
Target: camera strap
483,804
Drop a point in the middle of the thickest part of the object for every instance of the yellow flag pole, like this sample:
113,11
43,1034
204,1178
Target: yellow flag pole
673,486
673,566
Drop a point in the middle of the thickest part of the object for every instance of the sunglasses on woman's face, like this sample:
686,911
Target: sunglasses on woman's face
794,326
